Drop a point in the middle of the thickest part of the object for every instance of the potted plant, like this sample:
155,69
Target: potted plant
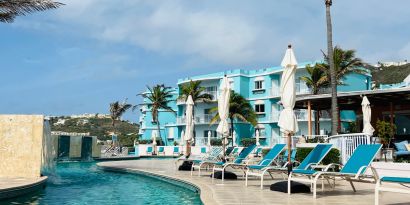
385,131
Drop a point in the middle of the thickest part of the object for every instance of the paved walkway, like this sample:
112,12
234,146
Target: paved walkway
235,192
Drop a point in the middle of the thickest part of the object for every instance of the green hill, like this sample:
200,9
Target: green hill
389,75
101,128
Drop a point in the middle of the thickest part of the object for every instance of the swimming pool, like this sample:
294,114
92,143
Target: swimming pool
84,183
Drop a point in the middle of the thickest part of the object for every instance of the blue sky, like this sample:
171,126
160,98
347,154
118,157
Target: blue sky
83,56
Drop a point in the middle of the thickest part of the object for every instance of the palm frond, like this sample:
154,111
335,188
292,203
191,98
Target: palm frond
9,9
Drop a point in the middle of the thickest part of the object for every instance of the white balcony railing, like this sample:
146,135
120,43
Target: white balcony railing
199,119
347,143
214,97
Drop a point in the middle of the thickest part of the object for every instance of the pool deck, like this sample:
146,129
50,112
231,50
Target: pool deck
13,187
235,192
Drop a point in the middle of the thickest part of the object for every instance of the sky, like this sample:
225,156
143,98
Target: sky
88,53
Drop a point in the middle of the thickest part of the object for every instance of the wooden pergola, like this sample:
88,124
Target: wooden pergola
381,101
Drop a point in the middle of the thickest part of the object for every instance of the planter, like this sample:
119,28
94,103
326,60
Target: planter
387,154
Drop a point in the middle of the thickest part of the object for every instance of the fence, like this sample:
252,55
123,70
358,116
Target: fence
347,143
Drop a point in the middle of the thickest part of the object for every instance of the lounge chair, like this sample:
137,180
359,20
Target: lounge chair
204,163
353,170
235,152
203,150
313,158
221,166
176,151
292,157
161,150
229,150
149,151
404,181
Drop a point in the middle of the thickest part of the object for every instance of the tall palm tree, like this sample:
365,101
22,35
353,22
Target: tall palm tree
159,96
197,93
9,9
333,81
239,109
117,109
316,80
345,62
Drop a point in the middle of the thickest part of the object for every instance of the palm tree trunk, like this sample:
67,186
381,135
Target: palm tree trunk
317,123
159,133
335,109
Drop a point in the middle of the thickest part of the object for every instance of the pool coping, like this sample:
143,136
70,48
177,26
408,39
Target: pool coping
205,193
23,189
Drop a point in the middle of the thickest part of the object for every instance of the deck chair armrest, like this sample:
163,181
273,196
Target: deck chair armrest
310,165
332,165
359,172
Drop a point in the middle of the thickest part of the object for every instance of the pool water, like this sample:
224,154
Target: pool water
84,183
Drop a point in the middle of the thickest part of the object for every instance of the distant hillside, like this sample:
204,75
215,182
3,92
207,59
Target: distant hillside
390,75
97,127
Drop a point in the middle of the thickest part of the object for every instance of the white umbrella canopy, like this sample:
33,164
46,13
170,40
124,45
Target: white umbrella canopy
223,107
209,138
189,115
182,137
257,138
154,137
223,111
367,115
287,119
234,138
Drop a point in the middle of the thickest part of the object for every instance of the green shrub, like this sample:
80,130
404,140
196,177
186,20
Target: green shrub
332,157
248,141
216,142
150,141
176,143
265,151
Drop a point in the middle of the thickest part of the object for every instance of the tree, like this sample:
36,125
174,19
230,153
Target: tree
117,109
9,9
345,62
239,109
316,80
197,93
333,81
159,96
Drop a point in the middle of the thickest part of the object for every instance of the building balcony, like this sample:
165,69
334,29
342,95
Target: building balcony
199,119
214,98
301,115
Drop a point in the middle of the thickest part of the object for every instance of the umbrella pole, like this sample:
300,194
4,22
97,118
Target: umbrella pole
289,153
223,147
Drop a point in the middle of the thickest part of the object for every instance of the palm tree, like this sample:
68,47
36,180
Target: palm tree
333,82
159,96
345,62
9,9
316,80
239,109
117,109
197,93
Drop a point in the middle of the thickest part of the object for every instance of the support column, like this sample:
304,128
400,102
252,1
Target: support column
309,118
391,114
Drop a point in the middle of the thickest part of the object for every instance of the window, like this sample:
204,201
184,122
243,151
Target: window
260,108
259,85
212,90
213,133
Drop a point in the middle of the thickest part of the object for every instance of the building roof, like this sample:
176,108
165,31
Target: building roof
352,100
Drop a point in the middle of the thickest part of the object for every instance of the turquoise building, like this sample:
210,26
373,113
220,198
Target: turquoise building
261,88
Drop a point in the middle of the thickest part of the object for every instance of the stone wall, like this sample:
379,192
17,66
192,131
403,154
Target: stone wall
21,139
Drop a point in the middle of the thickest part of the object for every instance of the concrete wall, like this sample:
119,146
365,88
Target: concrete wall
21,139
75,146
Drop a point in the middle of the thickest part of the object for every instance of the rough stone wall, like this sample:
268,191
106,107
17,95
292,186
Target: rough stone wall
21,139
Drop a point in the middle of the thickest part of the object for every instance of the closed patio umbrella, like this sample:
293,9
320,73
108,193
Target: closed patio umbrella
367,115
257,137
209,138
154,140
287,119
189,127
234,138
223,111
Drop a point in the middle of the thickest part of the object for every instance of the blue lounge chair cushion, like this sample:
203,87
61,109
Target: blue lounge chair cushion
396,179
149,149
401,146
315,156
176,149
203,150
161,149
402,153
362,156
304,171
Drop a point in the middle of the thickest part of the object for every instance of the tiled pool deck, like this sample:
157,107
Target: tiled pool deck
235,192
